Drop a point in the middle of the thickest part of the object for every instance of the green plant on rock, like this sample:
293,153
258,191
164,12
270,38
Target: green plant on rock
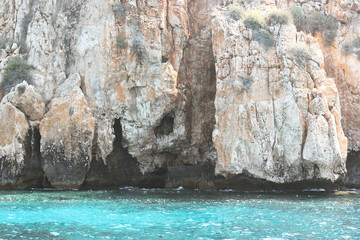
121,42
119,10
254,20
3,43
239,2
298,17
326,25
263,37
300,52
235,12
9,42
25,25
247,81
139,47
279,16
21,89
15,72
352,47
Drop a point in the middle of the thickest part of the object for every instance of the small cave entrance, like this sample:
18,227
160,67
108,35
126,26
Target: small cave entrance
166,126
121,169
352,177
33,173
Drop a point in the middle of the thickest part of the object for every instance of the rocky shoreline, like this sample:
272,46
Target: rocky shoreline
204,94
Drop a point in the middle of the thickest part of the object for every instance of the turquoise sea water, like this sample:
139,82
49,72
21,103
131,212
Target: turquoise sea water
178,214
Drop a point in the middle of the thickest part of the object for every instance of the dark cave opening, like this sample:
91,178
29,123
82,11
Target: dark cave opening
121,169
33,173
352,178
166,126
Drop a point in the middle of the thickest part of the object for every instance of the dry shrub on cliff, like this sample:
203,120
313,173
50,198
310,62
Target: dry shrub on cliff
119,10
235,12
263,37
3,43
15,72
139,47
9,42
280,16
239,2
352,47
316,22
254,20
300,52
25,25
247,81
121,42
326,25
298,17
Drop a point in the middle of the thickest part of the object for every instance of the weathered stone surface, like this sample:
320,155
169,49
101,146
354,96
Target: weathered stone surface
164,73
67,131
27,100
19,150
275,119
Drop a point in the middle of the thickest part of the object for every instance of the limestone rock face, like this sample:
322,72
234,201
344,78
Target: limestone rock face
19,141
170,93
14,129
276,118
27,100
67,130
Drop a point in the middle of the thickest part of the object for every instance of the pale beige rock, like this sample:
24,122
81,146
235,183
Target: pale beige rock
161,84
26,98
271,129
67,131
13,131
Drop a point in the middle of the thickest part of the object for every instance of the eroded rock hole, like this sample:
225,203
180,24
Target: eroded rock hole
164,59
166,126
33,174
121,169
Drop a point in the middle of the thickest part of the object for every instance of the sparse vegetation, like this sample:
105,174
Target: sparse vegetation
326,25
298,17
263,37
316,22
247,81
300,52
235,12
239,2
9,42
3,43
121,42
254,20
15,72
139,47
119,10
25,25
352,47
279,16
21,89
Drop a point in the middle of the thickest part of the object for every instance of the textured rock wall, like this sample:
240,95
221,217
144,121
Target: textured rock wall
151,93
284,125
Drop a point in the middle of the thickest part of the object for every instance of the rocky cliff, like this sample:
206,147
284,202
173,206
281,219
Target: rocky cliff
168,93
